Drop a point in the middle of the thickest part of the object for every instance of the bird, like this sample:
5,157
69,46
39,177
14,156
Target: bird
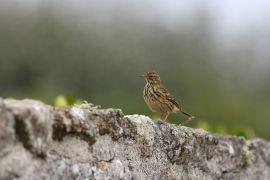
159,99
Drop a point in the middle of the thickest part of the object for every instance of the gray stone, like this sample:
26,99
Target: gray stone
83,142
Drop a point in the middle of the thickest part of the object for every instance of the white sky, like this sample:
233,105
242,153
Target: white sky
229,16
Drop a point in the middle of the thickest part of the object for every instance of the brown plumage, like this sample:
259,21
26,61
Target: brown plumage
158,98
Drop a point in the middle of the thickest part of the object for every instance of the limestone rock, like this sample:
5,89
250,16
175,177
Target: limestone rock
38,141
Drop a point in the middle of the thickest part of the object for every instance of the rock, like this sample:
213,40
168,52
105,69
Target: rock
83,142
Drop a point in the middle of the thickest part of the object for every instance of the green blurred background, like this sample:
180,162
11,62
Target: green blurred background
212,56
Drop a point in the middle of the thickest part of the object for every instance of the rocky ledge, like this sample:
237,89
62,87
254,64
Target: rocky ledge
38,141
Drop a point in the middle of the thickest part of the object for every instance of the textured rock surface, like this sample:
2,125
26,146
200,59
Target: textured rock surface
41,142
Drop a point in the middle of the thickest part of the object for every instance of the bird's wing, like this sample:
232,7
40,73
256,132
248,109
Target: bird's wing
163,92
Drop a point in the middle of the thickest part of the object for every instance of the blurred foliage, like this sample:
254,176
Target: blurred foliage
238,130
65,101
61,101
99,56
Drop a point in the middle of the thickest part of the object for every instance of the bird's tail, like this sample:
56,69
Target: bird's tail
187,114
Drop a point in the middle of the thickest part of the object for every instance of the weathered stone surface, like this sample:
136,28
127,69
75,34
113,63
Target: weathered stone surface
83,142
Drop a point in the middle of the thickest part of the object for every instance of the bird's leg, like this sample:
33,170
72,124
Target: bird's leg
162,116
165,116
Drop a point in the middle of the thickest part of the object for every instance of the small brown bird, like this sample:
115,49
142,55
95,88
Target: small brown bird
158,98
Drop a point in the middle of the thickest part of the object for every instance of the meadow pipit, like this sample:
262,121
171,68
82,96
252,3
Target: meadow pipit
158,98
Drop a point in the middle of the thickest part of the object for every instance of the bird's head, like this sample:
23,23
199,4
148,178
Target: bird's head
152,77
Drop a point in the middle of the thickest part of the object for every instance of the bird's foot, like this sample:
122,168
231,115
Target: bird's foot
159,122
